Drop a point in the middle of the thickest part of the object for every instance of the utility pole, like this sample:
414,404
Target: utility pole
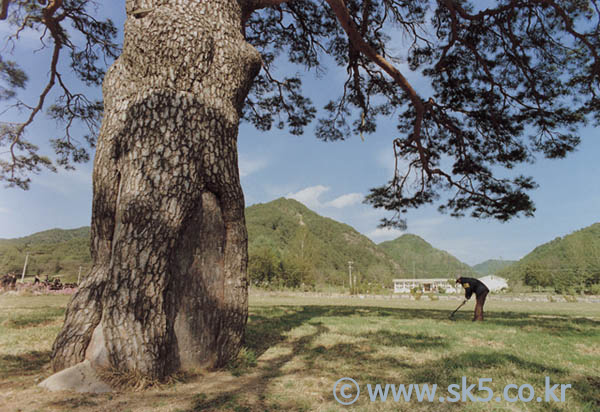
24,268
79,276
350,274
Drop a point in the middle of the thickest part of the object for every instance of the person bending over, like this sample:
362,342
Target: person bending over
481,291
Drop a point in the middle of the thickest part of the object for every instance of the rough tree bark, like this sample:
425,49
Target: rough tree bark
168,287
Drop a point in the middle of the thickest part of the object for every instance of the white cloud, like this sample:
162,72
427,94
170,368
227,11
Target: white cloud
381,234
309,196
428,229
248,166
345,200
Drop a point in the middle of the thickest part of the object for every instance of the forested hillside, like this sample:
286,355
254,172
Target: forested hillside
53,252
292,246
421,260
289,241
567,264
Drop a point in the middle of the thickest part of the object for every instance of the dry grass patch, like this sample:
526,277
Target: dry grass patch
483,343
588,349
276,352
330,339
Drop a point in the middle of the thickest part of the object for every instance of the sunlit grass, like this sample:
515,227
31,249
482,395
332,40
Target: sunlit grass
297,348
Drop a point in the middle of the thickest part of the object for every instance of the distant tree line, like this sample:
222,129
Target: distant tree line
267,269
577,279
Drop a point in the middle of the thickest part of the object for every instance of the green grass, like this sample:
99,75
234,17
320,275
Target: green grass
29,324
296,348
414,342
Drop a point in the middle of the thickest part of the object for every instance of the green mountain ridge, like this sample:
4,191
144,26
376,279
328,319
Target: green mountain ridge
52,252
50,236
325,246
492,266
296,241
293,235
419,259
565,264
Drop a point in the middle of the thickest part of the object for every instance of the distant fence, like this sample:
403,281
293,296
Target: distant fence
494,296
40,288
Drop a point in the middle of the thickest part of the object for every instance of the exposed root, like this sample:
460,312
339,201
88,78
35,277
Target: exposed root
134,381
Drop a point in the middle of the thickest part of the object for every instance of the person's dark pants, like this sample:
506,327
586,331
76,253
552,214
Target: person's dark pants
479,306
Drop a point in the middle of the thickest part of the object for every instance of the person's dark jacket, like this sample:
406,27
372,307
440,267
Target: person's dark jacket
471,286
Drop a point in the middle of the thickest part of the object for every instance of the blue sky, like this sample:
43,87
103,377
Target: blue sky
330,178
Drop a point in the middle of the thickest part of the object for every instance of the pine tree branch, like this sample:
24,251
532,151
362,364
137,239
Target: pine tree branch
53,25
250,6
4,10
341,12
261,4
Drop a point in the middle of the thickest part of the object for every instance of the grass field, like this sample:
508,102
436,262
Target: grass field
298,347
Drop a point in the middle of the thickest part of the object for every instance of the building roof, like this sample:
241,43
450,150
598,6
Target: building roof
422,280
494,283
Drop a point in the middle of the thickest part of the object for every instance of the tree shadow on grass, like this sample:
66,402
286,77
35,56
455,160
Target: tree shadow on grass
269,326
558,325
587,390
30,363
417,342
362,362
265,329
361,359
449,370
79,401
270,369
317,361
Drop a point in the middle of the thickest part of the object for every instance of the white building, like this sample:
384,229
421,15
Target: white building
426,285
494,283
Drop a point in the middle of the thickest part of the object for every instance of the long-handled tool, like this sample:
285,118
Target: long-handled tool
456,310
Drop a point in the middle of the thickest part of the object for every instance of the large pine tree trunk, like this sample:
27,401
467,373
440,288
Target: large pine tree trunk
168,287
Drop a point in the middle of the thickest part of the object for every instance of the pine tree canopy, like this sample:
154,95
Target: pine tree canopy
501,83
